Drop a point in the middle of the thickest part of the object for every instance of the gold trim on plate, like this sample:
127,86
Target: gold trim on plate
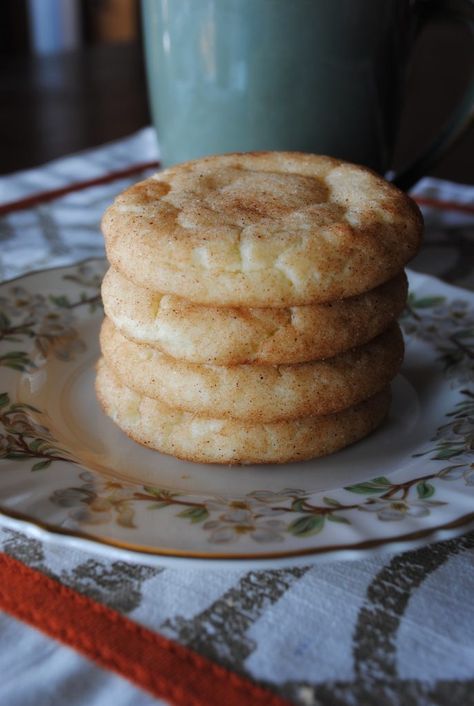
461,522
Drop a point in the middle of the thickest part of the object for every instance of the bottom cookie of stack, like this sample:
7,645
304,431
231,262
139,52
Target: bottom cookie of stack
203,439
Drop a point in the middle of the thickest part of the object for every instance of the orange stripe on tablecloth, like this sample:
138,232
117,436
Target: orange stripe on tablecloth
160,666
44,196
444,205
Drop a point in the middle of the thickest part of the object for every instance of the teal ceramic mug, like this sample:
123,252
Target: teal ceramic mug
323,76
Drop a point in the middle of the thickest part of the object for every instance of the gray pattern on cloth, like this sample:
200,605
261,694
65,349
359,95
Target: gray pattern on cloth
227,629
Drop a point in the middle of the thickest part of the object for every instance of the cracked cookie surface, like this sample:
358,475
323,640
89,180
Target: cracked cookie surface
265,229
235,335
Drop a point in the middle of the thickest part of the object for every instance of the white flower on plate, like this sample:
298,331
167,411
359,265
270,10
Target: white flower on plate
89,515
19,422
391,510
463,468
270,497
462,426
230,528
57,335
71,497
97,503
20,302
243,517
249,504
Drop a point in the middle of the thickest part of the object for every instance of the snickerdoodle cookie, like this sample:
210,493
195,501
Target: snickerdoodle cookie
255,393
262,229
232,335
212,440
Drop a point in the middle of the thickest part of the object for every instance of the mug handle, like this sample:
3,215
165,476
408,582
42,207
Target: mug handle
462,116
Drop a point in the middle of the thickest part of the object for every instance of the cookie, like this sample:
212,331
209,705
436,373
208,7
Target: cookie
255,393
262,229
235,335
212,440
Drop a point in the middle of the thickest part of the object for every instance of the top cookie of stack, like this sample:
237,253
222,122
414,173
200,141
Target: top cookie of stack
255,266
262,230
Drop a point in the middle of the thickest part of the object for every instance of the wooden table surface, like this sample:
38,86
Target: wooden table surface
57,105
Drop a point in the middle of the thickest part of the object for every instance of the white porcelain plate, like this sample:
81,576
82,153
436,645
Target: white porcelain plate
69,475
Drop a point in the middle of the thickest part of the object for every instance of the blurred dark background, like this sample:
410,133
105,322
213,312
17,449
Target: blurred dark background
72,77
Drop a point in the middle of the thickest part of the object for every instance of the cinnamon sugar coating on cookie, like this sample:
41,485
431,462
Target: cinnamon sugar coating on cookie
205,439
268,229
235,335
255,393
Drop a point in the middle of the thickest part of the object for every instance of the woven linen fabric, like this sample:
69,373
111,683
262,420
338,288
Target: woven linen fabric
392,629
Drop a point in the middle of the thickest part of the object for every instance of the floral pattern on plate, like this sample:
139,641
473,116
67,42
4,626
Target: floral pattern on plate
39,325
46,319
264,515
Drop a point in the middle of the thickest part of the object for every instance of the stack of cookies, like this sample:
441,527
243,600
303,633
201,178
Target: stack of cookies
251,306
